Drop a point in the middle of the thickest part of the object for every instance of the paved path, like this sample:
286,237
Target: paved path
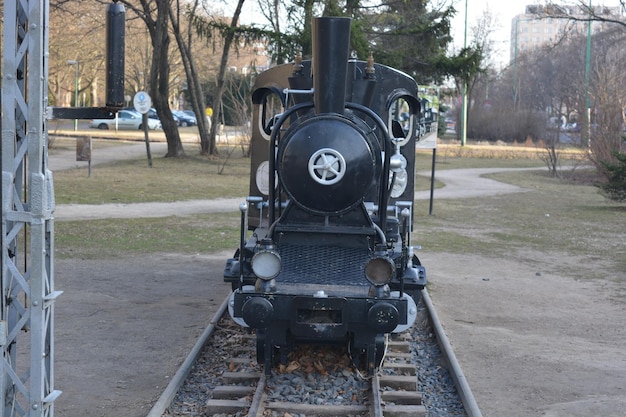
459,183
59,160
469,182
157,209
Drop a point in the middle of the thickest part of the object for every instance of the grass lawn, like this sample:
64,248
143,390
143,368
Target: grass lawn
560,216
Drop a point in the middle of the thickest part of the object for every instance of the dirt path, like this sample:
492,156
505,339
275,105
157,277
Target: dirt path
124,326
533,343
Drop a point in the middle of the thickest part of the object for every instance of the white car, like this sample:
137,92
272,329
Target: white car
126,119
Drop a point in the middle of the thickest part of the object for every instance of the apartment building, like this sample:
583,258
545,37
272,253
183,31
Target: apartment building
542,24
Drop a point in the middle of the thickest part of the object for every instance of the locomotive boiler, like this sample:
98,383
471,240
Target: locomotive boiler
329,257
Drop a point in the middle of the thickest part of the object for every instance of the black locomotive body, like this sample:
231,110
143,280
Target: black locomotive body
331,204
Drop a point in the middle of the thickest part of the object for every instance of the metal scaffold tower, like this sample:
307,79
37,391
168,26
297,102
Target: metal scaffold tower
27,200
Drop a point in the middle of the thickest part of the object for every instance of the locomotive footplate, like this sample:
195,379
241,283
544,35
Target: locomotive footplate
319,317
284,319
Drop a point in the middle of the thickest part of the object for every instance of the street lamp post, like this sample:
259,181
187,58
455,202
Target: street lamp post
75,62
587,71
464,91
516,81
515,63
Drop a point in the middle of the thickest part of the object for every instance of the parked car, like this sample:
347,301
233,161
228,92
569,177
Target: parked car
126,119
152,114
184,119
190,113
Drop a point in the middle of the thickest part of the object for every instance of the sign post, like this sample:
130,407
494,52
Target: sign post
428,140
142,103
83,151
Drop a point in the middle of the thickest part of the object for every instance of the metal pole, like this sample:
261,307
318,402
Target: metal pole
464,93
75,62
27,290
515,63
76,95
432,182
587,71
144,122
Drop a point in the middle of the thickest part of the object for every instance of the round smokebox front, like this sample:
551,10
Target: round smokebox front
326,164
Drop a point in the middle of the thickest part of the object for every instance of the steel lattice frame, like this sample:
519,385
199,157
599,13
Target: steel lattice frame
27,200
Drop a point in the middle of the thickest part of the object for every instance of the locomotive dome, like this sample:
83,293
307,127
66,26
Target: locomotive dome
327,164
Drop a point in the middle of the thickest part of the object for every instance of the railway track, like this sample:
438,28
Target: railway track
419,377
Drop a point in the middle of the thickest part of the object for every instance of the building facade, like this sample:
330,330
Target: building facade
546,24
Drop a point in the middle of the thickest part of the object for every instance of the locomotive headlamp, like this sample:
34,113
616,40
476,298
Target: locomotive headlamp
266,263
379,270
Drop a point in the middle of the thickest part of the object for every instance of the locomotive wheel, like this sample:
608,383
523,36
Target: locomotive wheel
416,295
379,351
370,357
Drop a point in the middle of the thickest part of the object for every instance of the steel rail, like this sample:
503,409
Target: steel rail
462,386
376,401
256,406
172,388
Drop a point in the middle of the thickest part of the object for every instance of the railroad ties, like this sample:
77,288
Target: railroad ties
395,386
393,389
239,384
222,377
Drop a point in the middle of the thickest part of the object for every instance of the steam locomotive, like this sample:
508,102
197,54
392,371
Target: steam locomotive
329,259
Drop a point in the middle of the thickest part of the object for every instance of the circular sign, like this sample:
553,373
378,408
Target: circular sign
142,102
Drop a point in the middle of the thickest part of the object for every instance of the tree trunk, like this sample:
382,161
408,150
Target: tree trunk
193,83
159,80
307,48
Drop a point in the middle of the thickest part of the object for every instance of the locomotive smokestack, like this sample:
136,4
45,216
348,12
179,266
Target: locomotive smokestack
331,44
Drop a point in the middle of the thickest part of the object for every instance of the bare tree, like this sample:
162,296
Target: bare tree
228,40
73,42
155,14
609,101
227,33
548,86
584,11
237,100
273,13
194,86
474,67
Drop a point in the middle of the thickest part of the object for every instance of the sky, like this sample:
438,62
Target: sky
502,11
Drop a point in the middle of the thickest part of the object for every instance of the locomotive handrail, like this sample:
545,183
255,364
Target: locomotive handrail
243,207
294,92
272,155
382,202
287,91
